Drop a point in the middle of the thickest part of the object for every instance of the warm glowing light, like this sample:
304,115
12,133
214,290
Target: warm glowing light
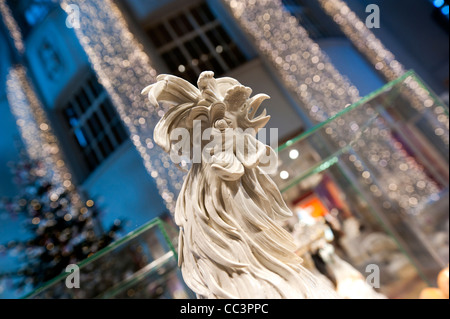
314,207
293,154
284,175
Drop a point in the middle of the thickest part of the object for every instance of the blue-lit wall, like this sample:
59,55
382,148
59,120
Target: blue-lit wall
10,228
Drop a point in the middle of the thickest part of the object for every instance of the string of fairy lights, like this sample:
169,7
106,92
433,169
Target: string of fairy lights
40,142
34,126
12,26
429,107
124,69
302,66
323,92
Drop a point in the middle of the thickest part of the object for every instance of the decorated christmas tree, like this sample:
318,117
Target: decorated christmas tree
64,226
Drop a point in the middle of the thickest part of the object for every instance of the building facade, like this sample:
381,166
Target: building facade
185,37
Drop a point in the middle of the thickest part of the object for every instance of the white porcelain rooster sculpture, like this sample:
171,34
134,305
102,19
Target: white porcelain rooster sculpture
231,244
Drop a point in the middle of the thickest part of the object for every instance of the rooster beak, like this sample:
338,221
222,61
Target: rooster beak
249,110
255,103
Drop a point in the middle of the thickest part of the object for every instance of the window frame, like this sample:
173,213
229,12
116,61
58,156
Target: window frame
163,16
74,151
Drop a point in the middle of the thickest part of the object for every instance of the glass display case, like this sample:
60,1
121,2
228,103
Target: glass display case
142,264
376,175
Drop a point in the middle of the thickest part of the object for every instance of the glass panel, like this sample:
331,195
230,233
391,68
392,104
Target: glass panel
380,168
82,100
218,70
214,37
181,25
118,131
81,139
103,147
159,35
106,110
87,134
70,116
91,159
108,144
95,87
202,14
143,264
237,53
92,117
94,126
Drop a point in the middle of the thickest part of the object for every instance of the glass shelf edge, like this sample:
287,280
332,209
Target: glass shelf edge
138,276
133,234
362,101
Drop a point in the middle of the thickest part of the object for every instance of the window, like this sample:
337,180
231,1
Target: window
94,124
193,40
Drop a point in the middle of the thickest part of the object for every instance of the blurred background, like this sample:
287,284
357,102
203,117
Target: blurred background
81,180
